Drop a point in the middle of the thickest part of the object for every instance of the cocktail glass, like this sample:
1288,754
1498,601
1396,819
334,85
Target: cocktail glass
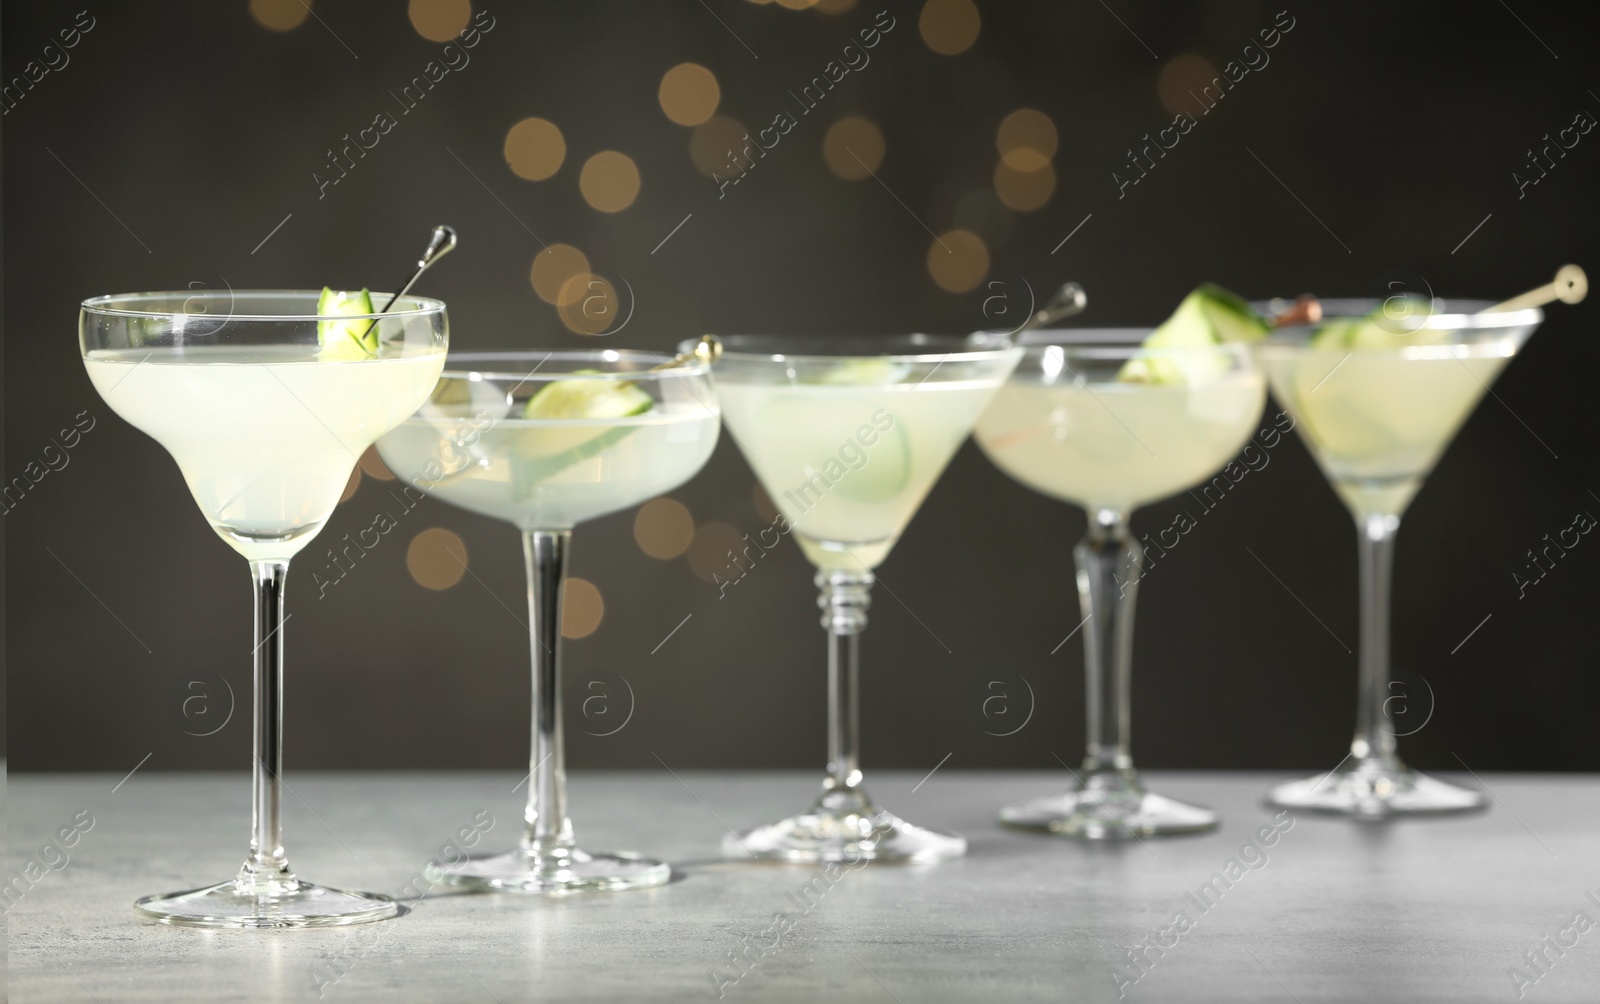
1377,420
471,446
266,433
848,435
1066,426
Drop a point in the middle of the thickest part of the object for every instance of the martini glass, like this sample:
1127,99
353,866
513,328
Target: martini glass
471,446
848,435
1377,420
266,433
1066,426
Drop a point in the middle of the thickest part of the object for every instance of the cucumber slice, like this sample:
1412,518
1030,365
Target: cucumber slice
1396,323
887,470
346,339
579,399
866,371
540,454
1207,317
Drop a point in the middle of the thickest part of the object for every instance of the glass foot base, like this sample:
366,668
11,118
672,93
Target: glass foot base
299,904
1093,815
1375,790
557,874
819,835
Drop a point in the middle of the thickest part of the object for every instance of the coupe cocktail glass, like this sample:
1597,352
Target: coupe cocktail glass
471,446
1377,420
266,433
848,435
1065,425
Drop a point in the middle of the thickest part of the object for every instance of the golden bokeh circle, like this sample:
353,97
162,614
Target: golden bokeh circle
797,4
949,27
534,148
713,144
436,558
588,304
1182,80
582,608
708,553
1026,139
689,94
280,15
351,485
373,466
609,181
762,503
958,260
664,528
440,20
853,148
1024,191
553,268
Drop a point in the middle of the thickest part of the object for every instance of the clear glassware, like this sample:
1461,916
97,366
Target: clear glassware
1376,420
848,435
472,445
266,433
1066,426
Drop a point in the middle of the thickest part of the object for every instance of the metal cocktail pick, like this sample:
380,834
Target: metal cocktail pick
707,350
1070,299
442,243
1570,286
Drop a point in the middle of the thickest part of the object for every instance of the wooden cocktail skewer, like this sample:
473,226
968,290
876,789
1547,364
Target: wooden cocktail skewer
1570,286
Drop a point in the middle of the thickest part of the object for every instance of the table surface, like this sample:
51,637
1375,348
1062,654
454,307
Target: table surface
1435,910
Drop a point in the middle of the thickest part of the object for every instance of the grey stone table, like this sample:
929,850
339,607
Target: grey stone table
1334,911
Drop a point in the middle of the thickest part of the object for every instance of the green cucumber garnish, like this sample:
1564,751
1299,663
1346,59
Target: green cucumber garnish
1395,323
1207,317
580,399
542,453
355,339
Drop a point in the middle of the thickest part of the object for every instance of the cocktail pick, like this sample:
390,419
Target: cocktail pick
707,350
1570,286
1307,309
442,243
1070,299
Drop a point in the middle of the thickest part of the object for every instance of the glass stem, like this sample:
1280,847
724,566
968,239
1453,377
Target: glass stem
1374,739
548,831
844,598
266,871
1109,564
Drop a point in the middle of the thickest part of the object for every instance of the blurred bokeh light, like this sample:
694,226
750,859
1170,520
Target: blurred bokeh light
439,20
535,148
582,608
609,181
280,15
949,27
664,528
436,558
958,260
553,268
853,148
689,94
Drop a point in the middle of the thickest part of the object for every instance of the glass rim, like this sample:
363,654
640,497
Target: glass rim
962,349
454,370
99,305
1475,320
1093,344
1484,347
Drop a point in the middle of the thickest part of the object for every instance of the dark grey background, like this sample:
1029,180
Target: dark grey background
1399,126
